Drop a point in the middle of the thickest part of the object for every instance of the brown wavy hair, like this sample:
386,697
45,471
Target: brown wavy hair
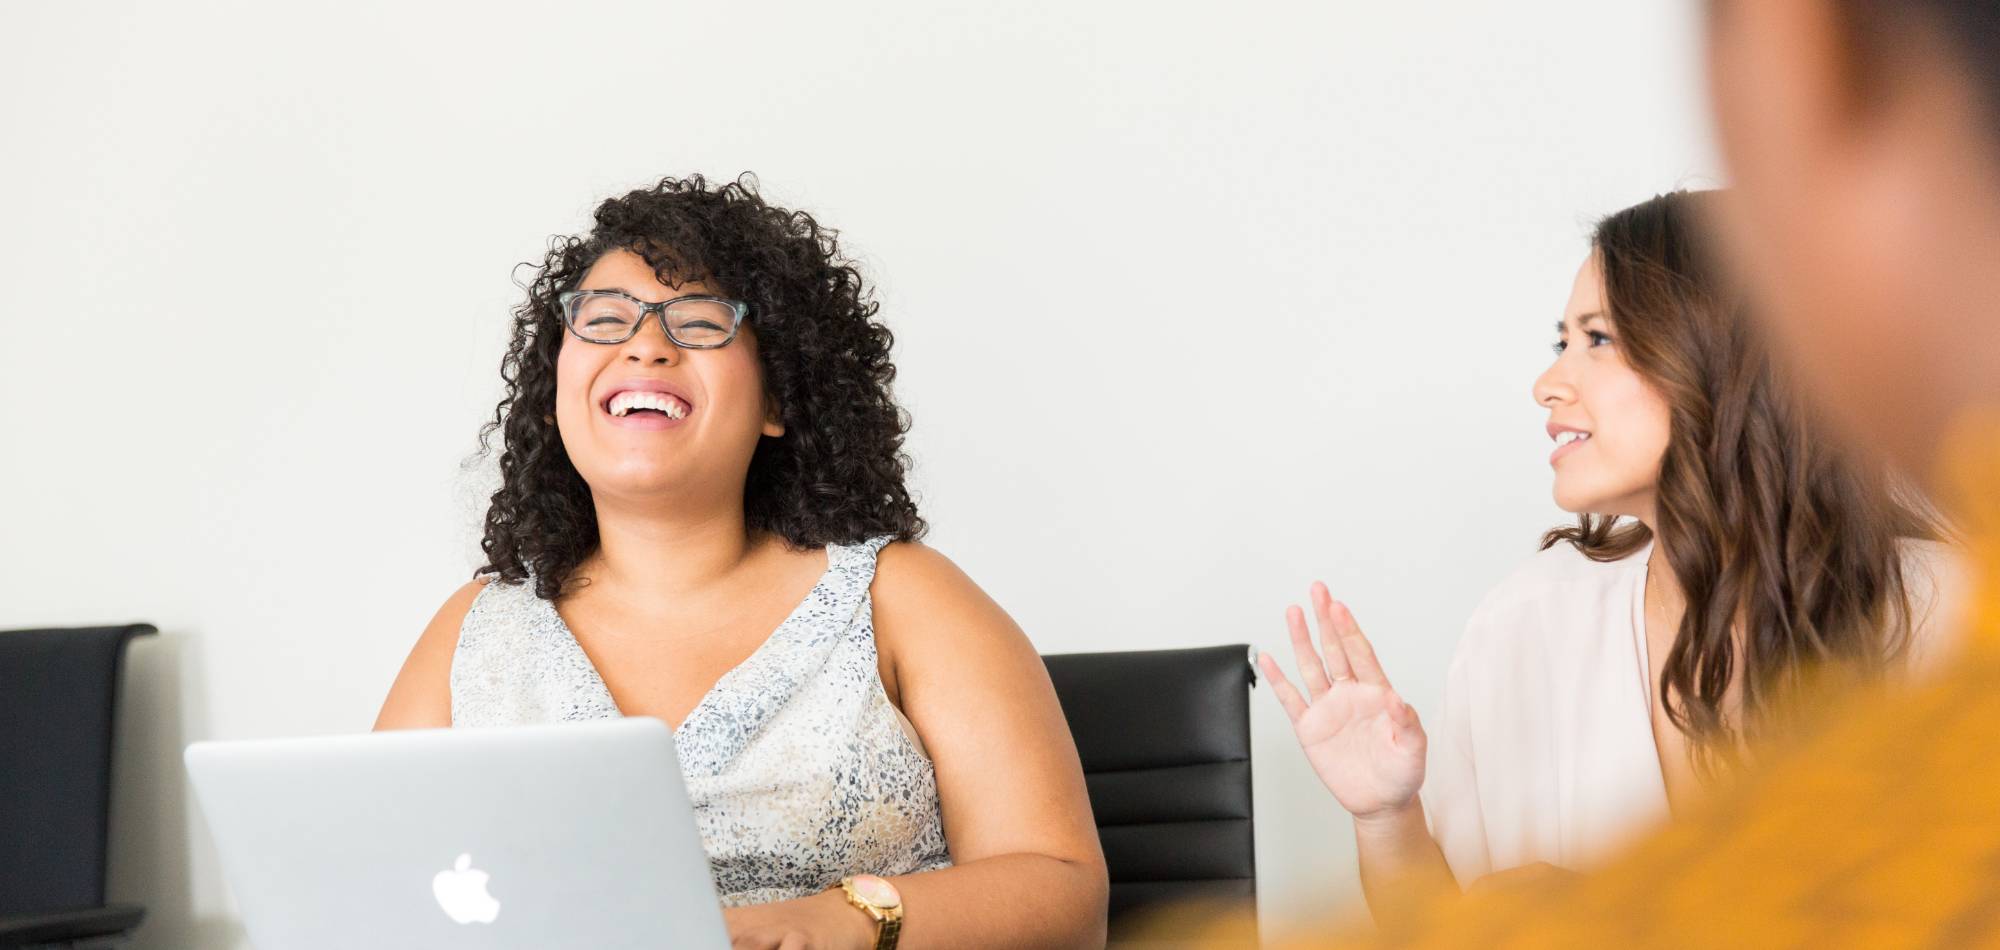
1787,548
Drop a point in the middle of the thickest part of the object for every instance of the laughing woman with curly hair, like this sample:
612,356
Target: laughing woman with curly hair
703,519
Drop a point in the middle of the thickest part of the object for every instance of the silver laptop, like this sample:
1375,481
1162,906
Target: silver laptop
576,835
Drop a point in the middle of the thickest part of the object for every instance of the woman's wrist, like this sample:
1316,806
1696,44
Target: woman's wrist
1403,871
1396,821
859,928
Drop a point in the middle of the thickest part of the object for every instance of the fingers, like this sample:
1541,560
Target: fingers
1288,695
1311,671
1337,666
1354,646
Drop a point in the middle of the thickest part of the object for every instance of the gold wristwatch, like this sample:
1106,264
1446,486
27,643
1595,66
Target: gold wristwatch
877,898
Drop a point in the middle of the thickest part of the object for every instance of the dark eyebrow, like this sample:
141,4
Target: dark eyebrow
1562,326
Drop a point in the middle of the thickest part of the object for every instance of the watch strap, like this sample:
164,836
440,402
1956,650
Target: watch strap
887,930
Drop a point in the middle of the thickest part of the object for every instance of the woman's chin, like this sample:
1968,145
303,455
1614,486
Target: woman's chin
640,486
1580,502
1594,507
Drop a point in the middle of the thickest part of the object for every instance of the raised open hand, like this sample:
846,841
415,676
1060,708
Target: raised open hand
1360,737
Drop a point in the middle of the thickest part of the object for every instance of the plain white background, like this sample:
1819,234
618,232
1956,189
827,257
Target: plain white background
1304,256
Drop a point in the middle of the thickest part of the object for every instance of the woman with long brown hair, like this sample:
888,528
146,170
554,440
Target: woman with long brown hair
1724,554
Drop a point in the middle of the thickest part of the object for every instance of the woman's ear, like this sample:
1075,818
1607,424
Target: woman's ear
774,422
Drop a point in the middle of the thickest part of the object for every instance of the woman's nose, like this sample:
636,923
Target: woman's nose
651,343
1553,387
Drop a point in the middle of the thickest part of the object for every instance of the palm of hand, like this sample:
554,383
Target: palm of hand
1359,736
1354,745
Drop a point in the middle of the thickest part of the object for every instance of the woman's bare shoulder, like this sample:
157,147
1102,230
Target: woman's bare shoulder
421,696
929,612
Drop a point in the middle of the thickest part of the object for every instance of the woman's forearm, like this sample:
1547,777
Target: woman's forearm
1008,900
1402,869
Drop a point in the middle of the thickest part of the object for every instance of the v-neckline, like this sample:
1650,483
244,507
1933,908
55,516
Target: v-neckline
1645,650
715,689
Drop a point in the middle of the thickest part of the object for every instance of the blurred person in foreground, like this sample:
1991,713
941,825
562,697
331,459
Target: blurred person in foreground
1864,139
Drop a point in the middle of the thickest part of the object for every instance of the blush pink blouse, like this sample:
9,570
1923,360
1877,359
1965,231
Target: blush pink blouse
1544,751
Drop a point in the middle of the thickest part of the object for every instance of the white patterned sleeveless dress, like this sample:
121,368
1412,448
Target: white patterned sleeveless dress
800,770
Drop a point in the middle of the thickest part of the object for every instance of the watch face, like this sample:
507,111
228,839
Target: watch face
876,891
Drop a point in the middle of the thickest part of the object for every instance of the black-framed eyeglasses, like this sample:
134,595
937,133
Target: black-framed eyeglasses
697,321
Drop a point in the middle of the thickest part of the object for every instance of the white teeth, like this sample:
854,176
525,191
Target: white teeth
625,402
1565,438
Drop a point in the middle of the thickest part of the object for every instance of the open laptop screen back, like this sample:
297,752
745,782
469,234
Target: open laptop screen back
537,836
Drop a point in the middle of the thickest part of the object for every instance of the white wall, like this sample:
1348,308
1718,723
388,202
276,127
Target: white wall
257,261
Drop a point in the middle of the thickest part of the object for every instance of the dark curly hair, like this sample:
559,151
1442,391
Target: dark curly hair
837,474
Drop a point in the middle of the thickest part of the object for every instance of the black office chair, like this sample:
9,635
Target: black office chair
58,706
1165,740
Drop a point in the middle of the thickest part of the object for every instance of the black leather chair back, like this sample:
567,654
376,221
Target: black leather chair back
1165,740
58,705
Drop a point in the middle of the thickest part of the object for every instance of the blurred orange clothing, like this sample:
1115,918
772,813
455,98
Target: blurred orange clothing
1880,830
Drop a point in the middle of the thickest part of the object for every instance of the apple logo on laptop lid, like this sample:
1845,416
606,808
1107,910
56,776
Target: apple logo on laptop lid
461,891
